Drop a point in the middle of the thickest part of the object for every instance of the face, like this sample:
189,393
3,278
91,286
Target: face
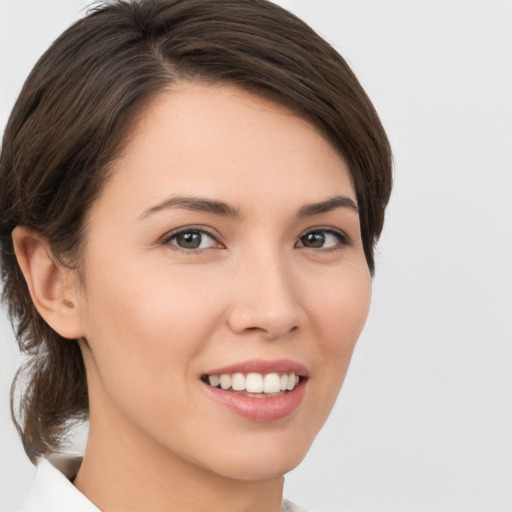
225,284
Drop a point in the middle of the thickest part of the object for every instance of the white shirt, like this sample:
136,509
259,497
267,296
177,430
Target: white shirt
52,490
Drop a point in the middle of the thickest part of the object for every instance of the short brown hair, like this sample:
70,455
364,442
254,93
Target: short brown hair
77,108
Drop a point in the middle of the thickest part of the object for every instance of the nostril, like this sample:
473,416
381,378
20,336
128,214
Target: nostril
265,305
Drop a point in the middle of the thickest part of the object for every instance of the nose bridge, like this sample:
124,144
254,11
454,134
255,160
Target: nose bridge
264,296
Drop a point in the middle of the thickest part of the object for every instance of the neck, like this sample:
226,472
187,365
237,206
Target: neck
124,470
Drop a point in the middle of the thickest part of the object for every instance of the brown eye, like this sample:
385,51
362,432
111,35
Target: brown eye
189,240
314,239
192,240
323,239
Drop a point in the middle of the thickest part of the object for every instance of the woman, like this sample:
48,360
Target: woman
190,193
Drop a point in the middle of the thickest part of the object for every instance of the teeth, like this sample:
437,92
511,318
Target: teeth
214,380
284,382
271,383
238,382
255,382
225,381
291,381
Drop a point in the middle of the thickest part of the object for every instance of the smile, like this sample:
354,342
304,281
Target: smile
258,390
254,384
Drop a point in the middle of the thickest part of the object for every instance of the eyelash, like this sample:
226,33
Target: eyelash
167,240
343,239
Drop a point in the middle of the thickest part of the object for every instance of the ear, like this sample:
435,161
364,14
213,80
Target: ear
52,287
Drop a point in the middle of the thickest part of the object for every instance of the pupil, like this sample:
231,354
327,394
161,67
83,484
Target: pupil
189,240
314,239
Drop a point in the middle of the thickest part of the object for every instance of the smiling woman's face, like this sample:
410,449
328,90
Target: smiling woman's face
225,247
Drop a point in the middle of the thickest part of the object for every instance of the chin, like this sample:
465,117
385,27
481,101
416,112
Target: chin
260,460
251,470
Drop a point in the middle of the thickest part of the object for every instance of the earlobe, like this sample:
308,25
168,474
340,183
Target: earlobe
50,285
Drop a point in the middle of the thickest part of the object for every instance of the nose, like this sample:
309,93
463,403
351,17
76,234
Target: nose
265,299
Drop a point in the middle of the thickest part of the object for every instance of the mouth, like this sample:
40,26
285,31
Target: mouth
258,390
253,384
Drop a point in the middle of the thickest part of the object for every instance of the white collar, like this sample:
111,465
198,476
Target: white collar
52,490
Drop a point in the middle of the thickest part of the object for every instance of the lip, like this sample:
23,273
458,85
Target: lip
263,366
261,409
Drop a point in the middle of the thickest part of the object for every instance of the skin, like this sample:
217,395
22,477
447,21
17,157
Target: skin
154,317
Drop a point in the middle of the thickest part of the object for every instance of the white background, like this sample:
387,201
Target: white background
424,422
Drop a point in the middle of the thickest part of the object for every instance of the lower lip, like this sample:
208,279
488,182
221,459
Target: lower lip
260,409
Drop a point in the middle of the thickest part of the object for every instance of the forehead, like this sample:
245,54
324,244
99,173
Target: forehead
222,141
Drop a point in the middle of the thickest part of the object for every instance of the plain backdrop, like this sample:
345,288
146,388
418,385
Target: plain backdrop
424,421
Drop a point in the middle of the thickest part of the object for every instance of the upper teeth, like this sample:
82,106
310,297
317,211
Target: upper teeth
255,382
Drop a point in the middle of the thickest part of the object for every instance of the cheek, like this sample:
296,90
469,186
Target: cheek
137,299
339,317
145,331
342,311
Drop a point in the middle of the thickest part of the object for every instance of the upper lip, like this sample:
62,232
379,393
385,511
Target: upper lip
263,366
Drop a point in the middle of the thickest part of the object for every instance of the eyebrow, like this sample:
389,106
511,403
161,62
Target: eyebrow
195,204
223,209
328,205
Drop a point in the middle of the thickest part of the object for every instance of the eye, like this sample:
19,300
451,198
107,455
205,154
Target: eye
323,239
192,240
